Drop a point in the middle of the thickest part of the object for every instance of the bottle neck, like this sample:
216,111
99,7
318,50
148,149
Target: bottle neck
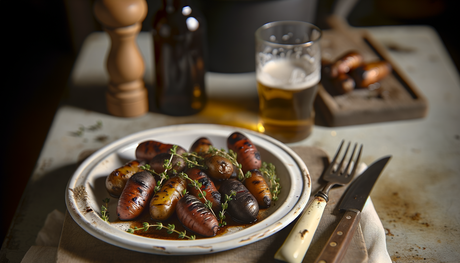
172,6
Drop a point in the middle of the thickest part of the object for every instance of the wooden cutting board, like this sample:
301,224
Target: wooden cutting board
397,98
76,245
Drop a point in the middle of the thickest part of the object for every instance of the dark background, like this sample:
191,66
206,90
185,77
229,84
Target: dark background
40,42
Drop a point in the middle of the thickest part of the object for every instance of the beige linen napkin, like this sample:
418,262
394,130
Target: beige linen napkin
370,232
47,241
62,240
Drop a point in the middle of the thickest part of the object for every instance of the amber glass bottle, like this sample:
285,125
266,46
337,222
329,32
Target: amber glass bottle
179,58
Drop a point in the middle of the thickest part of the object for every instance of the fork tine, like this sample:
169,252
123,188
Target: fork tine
334,159
349,161
339,167
357,161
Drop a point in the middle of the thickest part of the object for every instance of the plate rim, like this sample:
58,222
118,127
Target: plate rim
86,225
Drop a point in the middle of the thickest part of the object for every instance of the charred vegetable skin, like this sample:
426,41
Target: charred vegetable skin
196,213
177,162
116,181
259,188
148,149
201,146
371,73
247,154
135,195
350,72
344,64
163,203
342,84
218,167
243,207
196,217
207,185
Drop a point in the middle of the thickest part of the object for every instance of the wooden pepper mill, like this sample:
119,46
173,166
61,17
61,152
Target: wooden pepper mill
126,95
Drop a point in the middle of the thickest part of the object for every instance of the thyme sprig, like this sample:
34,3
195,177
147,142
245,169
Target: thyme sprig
221,215
269,171
104,211
191,159
197,185
171,229
231,156
224,205
194,160
81,130
163,176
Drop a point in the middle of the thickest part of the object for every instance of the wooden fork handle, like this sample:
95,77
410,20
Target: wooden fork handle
336,247
297,243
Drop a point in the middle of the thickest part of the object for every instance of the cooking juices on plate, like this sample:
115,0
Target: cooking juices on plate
195,190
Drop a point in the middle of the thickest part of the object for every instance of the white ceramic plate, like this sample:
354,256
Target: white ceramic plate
86,190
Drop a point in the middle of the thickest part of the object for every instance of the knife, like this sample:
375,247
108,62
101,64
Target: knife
352,203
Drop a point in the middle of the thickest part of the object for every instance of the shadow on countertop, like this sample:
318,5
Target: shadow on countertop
41,46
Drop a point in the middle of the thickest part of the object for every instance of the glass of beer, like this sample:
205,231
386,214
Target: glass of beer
288,66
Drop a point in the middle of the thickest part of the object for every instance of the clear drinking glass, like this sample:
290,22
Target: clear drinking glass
288,70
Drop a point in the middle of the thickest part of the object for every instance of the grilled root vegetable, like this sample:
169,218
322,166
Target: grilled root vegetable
148,149
116,180
259,188
218,167
207,187
247,154
157,163
243,207
370,73
196,217
343,84
135,195
345,64
163,203
201,146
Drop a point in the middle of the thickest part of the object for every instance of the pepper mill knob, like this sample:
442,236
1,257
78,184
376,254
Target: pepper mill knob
126,95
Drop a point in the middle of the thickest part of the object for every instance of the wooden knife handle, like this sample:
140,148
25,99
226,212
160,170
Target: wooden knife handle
336,246
296,244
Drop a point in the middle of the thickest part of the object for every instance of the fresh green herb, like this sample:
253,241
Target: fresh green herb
171,229
95,127
163,176
79,132
269,171
197,185
190,158
91,128
104,211
194,160
231,156
224,205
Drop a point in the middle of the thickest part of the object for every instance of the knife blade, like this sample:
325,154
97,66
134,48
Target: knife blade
352,204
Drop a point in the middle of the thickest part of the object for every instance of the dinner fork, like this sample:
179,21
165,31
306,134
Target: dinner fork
297,243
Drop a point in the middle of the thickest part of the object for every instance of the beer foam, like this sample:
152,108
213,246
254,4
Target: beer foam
288,74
